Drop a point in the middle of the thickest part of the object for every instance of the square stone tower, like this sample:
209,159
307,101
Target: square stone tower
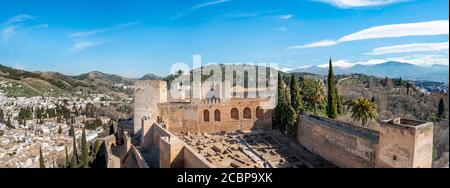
147,95
405,143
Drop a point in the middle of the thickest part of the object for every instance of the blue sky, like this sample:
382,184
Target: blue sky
133,38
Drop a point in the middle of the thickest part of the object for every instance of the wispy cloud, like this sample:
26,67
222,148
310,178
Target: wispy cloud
199,6
415,47
81,45
419,60
83,39
286,17
358,3
11,27
8,32
18,18
437,27
315,44
339,63
102,30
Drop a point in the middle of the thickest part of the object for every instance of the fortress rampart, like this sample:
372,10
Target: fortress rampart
399,143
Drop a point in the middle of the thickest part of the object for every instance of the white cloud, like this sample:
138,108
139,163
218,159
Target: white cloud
82,45
286,17
315,44
423,60
340,63
18,18
415,47
286,69
419,60
8,32
437,27
11,27
208,4
101,30
203,5
358,3
80,41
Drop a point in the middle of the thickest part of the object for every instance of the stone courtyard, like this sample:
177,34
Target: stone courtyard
251,149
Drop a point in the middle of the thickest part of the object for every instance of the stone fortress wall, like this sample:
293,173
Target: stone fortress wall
399,143
342,144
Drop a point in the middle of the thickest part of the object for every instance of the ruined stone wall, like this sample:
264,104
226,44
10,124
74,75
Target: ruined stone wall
174,153
342,144
193,160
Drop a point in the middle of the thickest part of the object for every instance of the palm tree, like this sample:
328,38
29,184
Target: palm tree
363,110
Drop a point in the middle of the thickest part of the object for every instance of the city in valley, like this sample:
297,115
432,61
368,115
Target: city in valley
224,84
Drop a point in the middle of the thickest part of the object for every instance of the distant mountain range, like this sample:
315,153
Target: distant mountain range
392,69
16,82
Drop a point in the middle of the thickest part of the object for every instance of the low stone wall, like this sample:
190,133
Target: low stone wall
343,144
193,160
174,153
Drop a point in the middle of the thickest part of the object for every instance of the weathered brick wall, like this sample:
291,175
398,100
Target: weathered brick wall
338,142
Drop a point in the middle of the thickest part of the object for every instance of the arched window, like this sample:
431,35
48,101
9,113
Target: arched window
235,114
247,113
216,115
259,112
206,115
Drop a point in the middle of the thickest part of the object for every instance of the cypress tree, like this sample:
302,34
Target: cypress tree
408,86
281,116
339,105
8,123
2,116
441,108
84,149
291,120
276,119
67,162
74,160
71,130
41,159
332,95
296,99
